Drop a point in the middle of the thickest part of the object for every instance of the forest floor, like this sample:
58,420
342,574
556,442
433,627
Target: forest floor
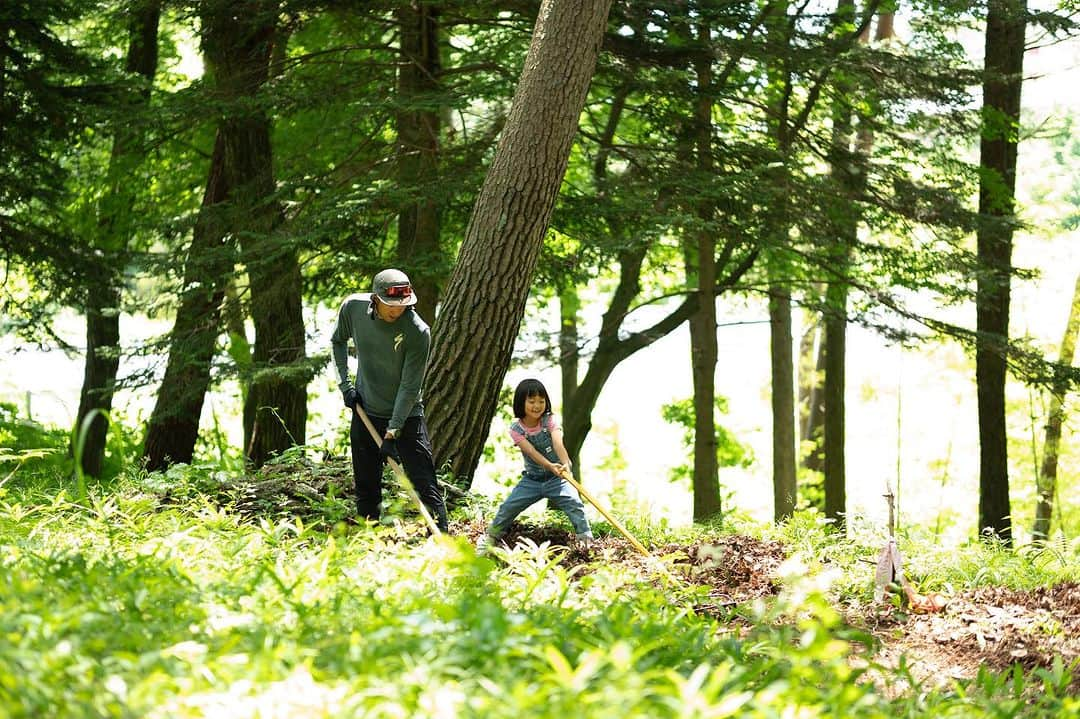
992,627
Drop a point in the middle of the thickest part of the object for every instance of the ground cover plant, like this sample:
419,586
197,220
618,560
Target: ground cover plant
197,593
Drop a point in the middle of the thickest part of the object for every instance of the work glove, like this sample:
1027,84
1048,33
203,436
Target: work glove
389,450
352,398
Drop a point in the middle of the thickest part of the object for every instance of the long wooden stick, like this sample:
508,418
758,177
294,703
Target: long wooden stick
614,522
400,472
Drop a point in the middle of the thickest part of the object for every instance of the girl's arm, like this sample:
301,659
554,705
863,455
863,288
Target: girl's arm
560,448
534,454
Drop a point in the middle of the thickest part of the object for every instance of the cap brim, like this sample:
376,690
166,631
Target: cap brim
395,302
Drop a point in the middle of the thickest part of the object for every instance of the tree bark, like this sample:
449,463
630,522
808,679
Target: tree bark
103,293
238,44
237,40
418,127
486,295
1046,483
782,369
783,403
845,223
1003,75
811,392
569,304
703,346
174,423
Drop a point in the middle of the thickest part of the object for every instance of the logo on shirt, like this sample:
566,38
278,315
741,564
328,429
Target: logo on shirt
398,340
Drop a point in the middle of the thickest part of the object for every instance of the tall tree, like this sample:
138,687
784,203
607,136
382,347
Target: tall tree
173,427
486,295
47,90
703,344
849,168
239,204
418,128
1006,22
113,230
239,47
782,368
1046,482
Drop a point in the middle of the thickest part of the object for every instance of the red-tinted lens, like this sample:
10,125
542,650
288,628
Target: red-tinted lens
399,291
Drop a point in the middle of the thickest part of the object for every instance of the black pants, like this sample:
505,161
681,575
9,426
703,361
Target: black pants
415,450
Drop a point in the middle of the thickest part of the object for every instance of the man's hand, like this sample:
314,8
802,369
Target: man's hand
351,397
389,449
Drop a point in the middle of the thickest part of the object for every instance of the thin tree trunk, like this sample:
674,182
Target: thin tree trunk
486,295
569,304
612,350
1003,76
783,403
174,423
845,224
782,370
812,392
703,345
115,229
1046,483
835,384
239,348
418,127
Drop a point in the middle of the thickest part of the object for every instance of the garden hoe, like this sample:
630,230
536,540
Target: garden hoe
400,473
890,570
622,530
614,522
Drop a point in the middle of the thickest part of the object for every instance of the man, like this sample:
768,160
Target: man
391,350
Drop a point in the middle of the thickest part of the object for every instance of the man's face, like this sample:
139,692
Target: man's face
388,313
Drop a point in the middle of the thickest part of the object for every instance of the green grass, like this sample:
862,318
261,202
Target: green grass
126,608
157,598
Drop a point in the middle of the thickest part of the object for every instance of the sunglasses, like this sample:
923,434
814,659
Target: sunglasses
399,291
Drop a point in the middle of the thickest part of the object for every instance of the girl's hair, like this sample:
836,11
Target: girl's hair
529,388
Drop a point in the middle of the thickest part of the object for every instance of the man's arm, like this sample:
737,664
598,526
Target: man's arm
412,378
339,345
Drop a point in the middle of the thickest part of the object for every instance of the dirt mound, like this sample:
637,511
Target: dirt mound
990,626
735,568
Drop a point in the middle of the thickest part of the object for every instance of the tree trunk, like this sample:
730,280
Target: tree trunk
782,370
703,345
783,403
103,294
612,350
845,223
811,394
569,304
1003,75
835,385
1046,483
238,47
239,348
486,295
174,423
418,128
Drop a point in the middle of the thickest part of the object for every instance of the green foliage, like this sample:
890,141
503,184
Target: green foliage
729,451
128,607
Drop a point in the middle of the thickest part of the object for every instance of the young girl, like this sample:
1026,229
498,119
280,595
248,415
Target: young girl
540,438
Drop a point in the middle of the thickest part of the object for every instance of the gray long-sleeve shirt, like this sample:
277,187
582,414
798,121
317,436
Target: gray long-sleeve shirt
391,358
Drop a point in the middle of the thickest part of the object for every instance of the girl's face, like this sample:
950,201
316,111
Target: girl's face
535,404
